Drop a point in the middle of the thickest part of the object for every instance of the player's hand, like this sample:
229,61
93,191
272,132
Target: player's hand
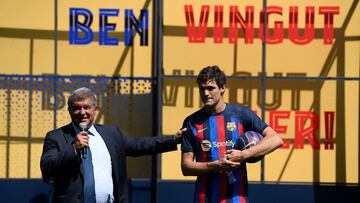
235,155
178,135
223,164
81,140
228,165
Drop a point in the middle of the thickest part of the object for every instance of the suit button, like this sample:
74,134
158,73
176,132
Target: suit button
79,196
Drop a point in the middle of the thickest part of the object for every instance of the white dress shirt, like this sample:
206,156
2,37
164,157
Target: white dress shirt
102,166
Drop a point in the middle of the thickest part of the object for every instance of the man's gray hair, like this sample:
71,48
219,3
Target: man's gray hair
81,94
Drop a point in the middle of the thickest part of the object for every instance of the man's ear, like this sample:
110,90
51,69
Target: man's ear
222,89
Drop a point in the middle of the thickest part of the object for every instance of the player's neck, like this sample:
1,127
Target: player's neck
218,108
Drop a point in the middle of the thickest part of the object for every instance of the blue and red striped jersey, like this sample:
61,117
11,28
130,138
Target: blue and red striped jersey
208,137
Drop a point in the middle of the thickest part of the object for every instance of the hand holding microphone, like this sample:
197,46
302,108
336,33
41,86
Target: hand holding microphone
83,151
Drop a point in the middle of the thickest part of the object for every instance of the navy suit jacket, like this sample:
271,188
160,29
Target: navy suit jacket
61,165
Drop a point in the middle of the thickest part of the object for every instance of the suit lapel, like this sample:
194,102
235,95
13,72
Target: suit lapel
104,135
110,145
69,133
69,136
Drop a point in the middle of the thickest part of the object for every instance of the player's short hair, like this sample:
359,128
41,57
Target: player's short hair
81,94
212,73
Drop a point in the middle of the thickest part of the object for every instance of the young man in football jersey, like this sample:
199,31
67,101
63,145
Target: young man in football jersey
207,145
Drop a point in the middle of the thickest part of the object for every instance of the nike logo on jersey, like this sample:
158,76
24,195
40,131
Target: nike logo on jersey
201,130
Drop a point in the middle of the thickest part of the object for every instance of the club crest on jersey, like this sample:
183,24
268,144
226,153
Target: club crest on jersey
231,126
205,145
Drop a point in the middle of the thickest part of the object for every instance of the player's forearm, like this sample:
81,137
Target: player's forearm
200,168
270,142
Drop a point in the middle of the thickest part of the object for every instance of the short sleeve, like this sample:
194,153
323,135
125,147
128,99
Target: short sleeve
186,139
253,122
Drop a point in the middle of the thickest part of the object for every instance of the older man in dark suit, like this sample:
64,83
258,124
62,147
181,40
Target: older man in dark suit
87,161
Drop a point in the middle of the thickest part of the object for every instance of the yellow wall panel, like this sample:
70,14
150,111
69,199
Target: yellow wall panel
18,160
36,150
3,159
14,56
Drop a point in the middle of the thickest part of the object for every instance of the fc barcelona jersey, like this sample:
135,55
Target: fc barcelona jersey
208,137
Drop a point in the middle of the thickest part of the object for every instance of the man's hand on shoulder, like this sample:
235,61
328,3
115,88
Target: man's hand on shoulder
178,135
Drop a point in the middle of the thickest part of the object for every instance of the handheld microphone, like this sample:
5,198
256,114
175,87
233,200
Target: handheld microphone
83,151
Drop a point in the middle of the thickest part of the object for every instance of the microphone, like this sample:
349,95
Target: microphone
83,151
